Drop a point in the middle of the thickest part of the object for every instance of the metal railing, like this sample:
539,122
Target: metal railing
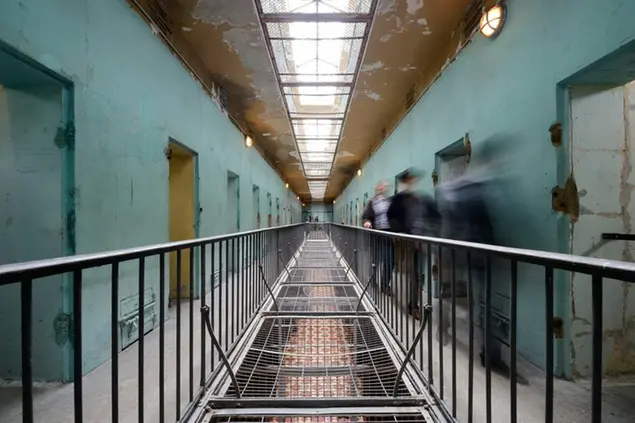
452,275
455,274
226,306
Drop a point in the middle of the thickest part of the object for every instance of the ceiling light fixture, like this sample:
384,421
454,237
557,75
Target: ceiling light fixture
286,185
248,141
359,172
493,20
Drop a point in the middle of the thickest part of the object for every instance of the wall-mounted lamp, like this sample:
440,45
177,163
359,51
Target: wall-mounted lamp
359,172
248,141
493,20
286,185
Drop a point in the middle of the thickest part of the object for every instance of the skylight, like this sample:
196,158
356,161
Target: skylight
316,46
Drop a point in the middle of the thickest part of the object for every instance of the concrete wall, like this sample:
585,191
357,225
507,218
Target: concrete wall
131,95
507,90
602,133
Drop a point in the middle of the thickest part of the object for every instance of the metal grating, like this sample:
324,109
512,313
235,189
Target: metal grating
328,418
317,275
317,358
317,298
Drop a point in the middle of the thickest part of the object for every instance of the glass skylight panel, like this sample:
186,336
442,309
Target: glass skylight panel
319,172
317,146
317,128
316,62
317,166
316,157
315,6
314,78
295,116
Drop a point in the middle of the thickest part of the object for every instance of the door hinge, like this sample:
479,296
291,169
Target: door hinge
65,136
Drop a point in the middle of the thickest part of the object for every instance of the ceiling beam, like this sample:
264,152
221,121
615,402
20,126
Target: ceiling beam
316,17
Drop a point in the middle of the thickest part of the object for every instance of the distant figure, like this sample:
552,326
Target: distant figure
375,216
413,214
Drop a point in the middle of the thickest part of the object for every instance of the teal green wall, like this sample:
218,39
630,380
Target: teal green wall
507,90
131,95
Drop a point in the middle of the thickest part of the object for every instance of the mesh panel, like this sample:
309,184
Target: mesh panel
317,358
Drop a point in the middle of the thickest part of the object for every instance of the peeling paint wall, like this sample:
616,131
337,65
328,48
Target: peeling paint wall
505,89
132,94
602,157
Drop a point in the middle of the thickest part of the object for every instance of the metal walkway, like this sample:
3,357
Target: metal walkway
316,353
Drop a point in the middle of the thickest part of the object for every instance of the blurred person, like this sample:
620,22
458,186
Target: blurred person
375,216
465,206
414,214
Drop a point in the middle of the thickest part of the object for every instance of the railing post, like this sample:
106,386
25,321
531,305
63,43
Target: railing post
278,251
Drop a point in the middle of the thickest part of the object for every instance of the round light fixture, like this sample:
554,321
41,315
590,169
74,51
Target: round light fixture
359,172
249,142
492,21
286,185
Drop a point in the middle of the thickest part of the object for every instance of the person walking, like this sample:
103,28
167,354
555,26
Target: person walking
413,214
375,216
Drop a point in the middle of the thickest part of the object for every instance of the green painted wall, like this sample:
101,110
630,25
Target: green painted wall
131,95
508,90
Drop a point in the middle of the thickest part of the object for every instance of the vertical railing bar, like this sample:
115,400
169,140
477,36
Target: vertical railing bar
190,369
212,301
141,350
77,347
513,314
597,299
26,301
235,288
227,247
470,308
549,345
488,339
220,291
114,341
453,320
243,285
440,282
178,334
431,325
161,337
203,303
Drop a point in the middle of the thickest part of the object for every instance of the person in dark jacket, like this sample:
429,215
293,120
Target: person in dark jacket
375,216
413,214
466,218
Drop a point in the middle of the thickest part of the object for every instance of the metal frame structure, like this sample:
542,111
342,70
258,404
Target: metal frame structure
279,18
319,359
287,350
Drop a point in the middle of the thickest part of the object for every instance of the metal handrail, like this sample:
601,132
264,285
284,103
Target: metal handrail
611,268
10,273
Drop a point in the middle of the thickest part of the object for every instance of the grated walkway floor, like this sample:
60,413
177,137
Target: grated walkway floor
317,346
